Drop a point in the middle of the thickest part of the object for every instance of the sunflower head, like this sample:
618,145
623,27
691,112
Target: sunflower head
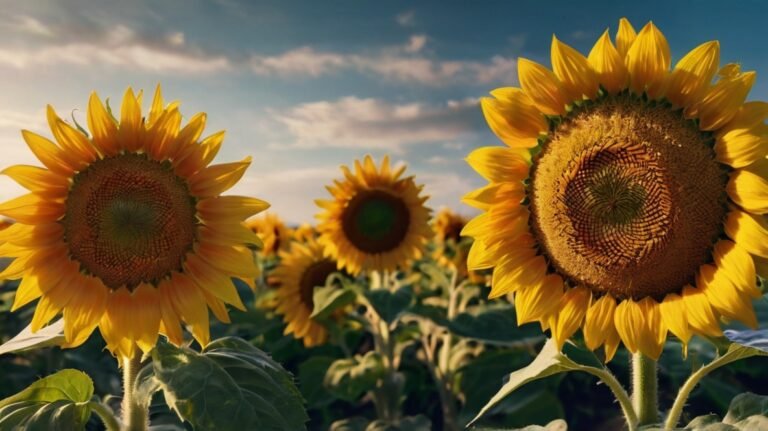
450,249
630,198
302,268
304,233
376,219
273,232
125,229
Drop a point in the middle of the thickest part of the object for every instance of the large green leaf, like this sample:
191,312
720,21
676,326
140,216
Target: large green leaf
51,335
311,376
549,362
349,378
745,405
328,299
59,401
389,305
494,325
230,386
747,412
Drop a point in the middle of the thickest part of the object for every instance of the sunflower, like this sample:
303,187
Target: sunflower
630,199
451,249
273,232
125,230
301,270
304,232
376,220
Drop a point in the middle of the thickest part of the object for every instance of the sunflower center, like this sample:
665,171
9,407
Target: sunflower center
314,276
129,220
376,221
627,198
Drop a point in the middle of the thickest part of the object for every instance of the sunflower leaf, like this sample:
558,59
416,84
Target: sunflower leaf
493,325
390,305
328,299
59,401
349,378
232,385
51,335
549,362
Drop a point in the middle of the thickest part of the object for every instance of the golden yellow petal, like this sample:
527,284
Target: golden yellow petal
539,302
28,291
213,281
701,316
510,194
514,119
217,179
721,101
498,164
654,335
189,303
32,209
230,208
161,137
749,115
102,127
628,319
674,316
516,271
157,108
724,297
693,73
41,181
83,313
573,308
741,147
608,64
542,86
48,153
625,37
648,61
748,231
599,321
574,71
749,191
130,133
738,266
187,136
74,143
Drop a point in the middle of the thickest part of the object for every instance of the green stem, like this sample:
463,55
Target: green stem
388,394
106,415
645,389
621,395
134,415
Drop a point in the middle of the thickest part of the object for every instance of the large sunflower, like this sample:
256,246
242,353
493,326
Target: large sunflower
376,221
301,269
125,229
630,198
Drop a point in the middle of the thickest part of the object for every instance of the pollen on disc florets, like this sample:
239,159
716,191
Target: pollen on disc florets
627,198
129,220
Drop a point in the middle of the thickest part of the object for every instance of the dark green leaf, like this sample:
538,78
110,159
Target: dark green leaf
746,405
59,401
349,378
493,325
438,315
327,299
231,386
388,304
311,376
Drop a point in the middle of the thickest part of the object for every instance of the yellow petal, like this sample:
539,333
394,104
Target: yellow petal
213,281
236,261
721,101
130,133
749,115
189,303
187,136
217,179
741,147
574,71
102,126
749,191
611,344
170,323
41,181
539,302
724,297
648,61
498,164
674,316
599,321
48,153
651,343
608,64
748,231
693,74
542,86
738,266
573,308
161,136
625,37
701,316
230,208
32,209
83,313
74,143
28,291
514,119
628,319
510,194
516,271
157,108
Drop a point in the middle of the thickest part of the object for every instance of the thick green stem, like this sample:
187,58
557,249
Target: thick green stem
645,393
106,415
621,396
134,414
387,395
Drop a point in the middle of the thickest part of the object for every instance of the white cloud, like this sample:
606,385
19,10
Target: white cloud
406,19
416,43
368,123
31,25
301,61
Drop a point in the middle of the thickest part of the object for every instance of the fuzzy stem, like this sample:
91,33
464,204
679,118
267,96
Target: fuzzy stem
387,395
645,390
106,415
134,415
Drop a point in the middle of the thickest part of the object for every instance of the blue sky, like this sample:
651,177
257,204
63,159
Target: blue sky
305,86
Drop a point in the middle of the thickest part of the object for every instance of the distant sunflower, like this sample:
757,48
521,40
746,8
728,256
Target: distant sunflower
5,224
304,233
301,270
376,220
630,200
125,230
451,250
273,232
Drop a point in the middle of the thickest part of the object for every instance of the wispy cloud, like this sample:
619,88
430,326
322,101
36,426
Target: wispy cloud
368,123
406,19
404,63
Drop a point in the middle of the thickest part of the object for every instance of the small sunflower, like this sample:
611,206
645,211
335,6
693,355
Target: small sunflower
301,270
304,233
376,220
273,232
451,249
630,199
125,230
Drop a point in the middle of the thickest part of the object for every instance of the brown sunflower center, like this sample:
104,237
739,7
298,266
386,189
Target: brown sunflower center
129,220
376,221
315,275
627,198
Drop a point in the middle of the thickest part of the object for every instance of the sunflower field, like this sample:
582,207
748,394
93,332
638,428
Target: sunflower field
612,275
